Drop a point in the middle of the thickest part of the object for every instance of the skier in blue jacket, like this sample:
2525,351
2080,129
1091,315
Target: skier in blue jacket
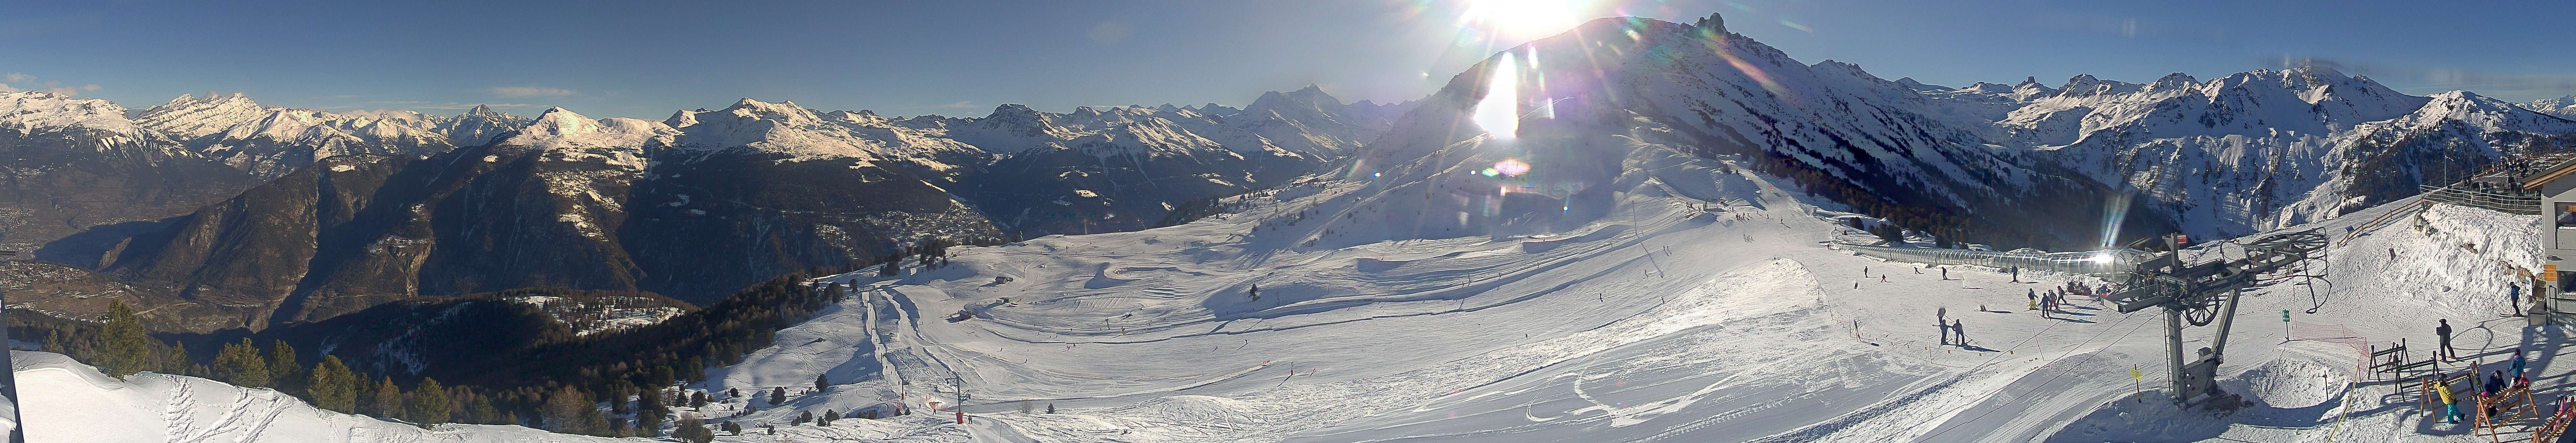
2517,363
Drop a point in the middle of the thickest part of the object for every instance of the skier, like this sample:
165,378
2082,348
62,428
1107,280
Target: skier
1941,320
2444,332
2034,300
2513,297
1960,328
2495,387
2517,363
2450,406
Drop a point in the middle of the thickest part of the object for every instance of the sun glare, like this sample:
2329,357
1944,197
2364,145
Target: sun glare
1522,19
1499,112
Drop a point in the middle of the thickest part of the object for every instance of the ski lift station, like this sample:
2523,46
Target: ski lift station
2556,189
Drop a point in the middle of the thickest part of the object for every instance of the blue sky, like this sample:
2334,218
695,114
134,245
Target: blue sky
646,58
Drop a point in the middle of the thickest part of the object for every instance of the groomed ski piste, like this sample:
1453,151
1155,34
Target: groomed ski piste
1677,299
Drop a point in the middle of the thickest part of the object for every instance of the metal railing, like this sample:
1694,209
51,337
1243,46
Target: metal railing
2517,203
2108,261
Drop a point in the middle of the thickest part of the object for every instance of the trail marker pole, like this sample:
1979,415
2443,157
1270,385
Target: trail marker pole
2141,379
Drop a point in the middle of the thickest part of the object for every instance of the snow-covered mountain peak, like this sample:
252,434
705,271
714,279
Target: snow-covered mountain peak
188,117
478,126
783,113
2082,85
781,128
2173,82
29,111
2564,107
2485,114
1911,83
570,136
2030,88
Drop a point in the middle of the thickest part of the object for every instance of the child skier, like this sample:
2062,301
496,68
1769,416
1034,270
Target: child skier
2517,363
2450,406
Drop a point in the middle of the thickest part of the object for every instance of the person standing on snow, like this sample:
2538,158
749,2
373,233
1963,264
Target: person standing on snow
1960,328
2450,406
2444,332
2513,298
2517,363
1941,320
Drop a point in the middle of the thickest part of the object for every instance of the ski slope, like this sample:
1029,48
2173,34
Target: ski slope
1650,320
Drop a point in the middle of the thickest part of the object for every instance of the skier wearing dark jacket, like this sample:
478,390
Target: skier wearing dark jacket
2444,332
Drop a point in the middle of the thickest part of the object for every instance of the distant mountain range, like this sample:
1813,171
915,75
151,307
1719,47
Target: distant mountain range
358,209
2076,166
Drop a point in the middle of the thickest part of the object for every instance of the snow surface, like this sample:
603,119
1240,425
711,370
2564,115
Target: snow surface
1652,321
602,314
1593,299
2562,106
29,111
71,402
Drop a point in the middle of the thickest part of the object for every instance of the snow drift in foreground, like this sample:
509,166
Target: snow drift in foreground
72,402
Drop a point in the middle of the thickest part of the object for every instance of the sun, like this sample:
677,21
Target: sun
1520,19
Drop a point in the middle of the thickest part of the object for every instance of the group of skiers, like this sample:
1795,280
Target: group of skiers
1950,327
2054,300
1954,332
2496,384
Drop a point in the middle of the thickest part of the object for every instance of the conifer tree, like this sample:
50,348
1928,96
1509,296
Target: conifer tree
732,427
649,412
365,387
284,368
387,400
822,383
53,343
564,408
694,432
332,386
123,348
829,415
429,403
482,410
596,422
175,363
804,417
699,399
778,396
617,427
240,364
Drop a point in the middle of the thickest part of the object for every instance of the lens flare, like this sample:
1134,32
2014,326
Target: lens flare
1511,167
1499,112
2114,211
1521,19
